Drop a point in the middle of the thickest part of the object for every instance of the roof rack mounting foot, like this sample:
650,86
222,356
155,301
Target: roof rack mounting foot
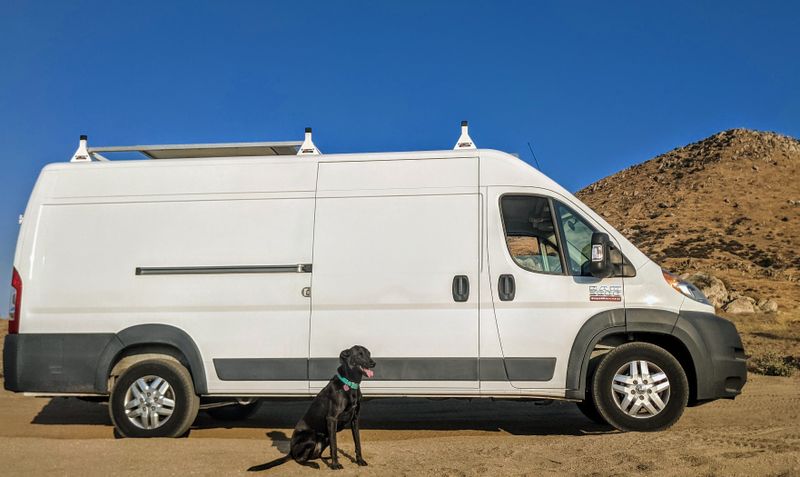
82,153
464,141
308,147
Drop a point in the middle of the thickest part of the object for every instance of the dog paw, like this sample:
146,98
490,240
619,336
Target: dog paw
336,466
361,462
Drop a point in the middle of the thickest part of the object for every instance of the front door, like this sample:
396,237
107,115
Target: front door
539,249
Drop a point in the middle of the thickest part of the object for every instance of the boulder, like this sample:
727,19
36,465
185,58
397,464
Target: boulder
712,287
741,305
767,305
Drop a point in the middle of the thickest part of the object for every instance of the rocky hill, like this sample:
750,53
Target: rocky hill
726,208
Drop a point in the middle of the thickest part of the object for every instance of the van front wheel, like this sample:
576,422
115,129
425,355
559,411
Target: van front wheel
154,398
640,387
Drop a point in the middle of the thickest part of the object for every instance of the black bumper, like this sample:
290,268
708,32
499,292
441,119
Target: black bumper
54,363
722,372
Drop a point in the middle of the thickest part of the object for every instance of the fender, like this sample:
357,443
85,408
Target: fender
642,320
152,334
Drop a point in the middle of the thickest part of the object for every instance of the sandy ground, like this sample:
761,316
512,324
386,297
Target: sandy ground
758,434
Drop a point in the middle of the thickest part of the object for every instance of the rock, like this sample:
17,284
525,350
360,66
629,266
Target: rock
767,306
712,287
741,305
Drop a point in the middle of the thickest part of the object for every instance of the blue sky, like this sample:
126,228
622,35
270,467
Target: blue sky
595,86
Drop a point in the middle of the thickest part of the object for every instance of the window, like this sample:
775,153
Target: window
530,234
533,239
577,235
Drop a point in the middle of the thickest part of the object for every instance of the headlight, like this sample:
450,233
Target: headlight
685,288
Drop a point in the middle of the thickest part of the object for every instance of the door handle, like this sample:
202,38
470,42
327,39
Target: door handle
506,287
460,288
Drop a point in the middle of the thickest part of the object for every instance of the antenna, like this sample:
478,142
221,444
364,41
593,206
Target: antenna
308,147
82,153
534,156
464,141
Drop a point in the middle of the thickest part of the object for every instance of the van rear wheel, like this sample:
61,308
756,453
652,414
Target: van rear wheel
154,398
640,387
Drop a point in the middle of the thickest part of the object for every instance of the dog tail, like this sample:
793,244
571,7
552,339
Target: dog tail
269,465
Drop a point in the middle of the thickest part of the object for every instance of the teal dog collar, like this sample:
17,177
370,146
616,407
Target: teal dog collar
347,382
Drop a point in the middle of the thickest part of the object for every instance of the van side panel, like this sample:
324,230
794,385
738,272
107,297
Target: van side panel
82,276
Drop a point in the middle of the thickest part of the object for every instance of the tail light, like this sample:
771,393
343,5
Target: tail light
16,302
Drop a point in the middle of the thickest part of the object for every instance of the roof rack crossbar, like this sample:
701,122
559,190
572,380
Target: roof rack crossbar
230,149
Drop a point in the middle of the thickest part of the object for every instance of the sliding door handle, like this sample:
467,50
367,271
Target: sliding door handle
460,288
506,287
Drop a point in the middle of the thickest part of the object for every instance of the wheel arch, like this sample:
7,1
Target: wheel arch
159,339
659,327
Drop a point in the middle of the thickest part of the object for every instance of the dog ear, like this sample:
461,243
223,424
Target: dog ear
344,355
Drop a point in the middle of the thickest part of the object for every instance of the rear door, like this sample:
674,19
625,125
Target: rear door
396,264
539,248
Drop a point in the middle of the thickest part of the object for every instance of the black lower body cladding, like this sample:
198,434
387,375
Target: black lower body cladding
724,369
713,345
81,362
58,363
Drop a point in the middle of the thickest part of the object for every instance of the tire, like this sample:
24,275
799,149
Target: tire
589,410
653,396
235,412
172,397
588,406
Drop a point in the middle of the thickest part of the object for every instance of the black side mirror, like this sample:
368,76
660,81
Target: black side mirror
600,265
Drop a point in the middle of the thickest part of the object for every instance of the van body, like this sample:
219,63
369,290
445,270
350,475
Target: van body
465,273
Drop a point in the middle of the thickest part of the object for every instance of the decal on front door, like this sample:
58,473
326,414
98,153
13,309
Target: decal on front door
605,292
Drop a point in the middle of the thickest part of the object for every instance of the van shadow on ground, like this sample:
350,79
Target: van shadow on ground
514,417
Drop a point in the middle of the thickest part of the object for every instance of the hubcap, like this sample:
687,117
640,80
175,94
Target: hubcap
640,389
149,402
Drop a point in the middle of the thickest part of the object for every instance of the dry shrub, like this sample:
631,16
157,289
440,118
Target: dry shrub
773,364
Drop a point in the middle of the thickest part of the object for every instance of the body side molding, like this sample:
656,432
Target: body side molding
389,369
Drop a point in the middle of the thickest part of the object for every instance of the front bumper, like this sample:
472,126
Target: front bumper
722,372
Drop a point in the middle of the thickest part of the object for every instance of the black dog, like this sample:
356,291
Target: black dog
336,406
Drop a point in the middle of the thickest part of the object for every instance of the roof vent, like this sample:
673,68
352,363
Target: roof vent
82,153
464,141
308,147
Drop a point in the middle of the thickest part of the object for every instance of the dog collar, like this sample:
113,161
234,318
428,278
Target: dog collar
346,381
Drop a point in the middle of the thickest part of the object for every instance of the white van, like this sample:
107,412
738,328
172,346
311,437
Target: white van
211,275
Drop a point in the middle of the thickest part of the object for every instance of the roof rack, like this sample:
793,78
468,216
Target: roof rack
84,153
175,151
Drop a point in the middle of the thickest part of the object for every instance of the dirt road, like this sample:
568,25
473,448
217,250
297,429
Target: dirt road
758,434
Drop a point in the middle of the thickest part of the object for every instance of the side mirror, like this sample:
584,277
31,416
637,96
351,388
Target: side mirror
600,265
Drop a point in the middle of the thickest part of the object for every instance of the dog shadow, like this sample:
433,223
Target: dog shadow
280,441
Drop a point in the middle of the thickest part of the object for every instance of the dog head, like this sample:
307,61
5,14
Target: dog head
358,358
